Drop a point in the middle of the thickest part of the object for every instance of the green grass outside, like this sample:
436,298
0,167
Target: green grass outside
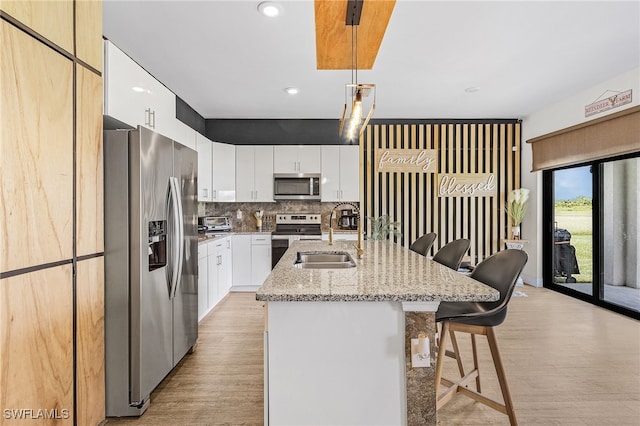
577,220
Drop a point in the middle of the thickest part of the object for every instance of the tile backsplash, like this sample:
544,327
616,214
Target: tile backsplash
248,221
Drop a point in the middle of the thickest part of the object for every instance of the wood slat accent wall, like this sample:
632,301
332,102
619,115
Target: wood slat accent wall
412,198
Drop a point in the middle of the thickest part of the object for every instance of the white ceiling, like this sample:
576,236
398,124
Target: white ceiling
227,61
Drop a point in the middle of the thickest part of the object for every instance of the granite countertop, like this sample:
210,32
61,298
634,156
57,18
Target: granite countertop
387,272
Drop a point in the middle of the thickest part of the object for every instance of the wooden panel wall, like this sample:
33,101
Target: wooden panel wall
51,221
412,198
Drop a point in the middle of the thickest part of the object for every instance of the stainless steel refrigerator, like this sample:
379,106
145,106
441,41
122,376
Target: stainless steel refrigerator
151,263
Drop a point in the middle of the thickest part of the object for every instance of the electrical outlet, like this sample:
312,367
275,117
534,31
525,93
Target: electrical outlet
420,352
239,214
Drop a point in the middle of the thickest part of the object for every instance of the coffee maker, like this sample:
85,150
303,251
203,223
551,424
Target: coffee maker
344,222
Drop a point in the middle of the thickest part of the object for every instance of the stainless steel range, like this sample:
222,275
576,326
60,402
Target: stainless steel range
291,227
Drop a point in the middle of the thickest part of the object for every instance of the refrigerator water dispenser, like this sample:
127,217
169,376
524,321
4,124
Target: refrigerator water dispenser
157,244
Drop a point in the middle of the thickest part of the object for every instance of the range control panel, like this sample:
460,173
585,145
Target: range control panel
298,218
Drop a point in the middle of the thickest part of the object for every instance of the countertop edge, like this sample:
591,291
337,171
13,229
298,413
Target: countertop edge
370,298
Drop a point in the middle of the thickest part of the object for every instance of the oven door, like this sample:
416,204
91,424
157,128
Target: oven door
306,237
279,244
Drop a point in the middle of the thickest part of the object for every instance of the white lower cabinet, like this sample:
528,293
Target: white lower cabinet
260,258
242,265
252,254
225,269
214,273
212,282
203,280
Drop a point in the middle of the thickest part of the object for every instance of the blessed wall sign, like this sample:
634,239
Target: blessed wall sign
467,185
407,160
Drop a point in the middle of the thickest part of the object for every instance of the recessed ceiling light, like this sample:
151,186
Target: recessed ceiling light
269,8
472,89
292,90
137,89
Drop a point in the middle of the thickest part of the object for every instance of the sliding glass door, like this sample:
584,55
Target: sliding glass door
620,237
592,239
573,229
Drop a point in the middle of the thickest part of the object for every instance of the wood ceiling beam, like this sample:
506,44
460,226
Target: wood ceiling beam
333,35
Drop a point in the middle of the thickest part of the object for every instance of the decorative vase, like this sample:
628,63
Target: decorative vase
259,224
515,232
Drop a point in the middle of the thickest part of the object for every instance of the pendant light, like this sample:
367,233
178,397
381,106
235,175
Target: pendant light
358,96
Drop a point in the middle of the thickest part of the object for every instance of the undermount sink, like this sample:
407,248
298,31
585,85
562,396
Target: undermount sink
324,260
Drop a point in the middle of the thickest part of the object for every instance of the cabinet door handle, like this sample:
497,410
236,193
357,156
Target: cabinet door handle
215,194
152,123
147,117
205,193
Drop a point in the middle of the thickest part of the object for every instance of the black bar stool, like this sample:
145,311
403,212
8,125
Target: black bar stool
452,253
423,244
499,271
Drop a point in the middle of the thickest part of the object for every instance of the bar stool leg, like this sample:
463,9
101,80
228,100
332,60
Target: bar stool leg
504,387
476,365
441,354
456,352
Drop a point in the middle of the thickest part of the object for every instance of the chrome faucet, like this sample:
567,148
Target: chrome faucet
358,246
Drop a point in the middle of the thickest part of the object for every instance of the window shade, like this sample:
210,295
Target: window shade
604,137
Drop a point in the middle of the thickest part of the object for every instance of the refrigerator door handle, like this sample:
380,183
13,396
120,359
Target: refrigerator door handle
177,235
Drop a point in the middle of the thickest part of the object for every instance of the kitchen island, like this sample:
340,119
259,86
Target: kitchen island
338,341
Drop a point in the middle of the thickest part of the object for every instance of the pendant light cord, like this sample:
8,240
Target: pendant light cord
354,52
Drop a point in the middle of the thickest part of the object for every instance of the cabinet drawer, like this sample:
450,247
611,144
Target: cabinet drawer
261,239
216,246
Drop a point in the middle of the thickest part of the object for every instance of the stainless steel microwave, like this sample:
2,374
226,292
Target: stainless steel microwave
296,186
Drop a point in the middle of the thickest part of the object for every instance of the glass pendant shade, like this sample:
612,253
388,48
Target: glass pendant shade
362,98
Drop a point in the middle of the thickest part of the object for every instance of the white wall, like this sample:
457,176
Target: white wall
560,115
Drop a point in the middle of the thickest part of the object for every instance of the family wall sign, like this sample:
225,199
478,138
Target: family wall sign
426,161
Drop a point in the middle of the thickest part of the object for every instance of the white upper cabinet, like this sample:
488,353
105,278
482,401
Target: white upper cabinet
134,96
296,159
186,135
340,173
205,168
224,172
254,173
216,170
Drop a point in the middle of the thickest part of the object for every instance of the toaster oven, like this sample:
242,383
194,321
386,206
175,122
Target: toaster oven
215,223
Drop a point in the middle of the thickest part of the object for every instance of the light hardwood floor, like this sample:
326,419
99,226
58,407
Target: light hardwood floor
567,363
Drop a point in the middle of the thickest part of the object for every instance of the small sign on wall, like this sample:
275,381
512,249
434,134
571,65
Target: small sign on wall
467,185
614,101
406,160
